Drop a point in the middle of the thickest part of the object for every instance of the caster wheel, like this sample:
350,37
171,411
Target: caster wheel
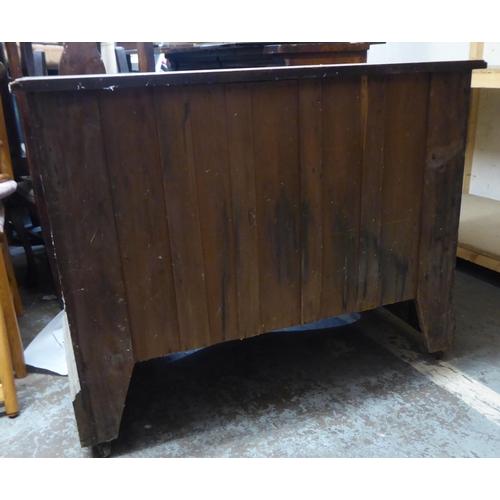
102,450
437,355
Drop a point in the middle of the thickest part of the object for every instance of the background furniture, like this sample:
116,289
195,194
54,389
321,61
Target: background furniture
194,208
245,55
24,214
11,348
479,235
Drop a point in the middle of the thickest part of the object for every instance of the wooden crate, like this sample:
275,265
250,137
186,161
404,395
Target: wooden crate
191,208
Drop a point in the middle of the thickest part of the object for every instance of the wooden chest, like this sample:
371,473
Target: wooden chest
191,208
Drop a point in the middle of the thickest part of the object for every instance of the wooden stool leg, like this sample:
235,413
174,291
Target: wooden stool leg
17,218
7,387
10,320
18,306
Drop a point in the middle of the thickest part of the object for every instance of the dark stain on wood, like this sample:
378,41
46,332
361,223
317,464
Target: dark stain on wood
283,236
443,173
275,115
241,150
187,112
311,197
373,110
226,266
307,223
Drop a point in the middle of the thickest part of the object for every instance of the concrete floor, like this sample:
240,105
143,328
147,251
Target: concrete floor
362,390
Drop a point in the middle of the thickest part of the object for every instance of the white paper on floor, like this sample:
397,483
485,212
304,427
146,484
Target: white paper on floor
47,351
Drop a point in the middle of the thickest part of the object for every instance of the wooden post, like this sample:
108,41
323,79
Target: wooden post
448,111
81,58
146,54
9,319
476,52
7,387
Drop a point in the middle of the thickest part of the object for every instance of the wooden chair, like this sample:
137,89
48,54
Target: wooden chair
8,394
23,61
11,348
145,53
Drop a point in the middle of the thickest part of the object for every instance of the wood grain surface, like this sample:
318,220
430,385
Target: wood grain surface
77,187
188,215
449,98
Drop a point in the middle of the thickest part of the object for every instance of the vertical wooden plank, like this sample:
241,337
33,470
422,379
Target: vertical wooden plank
244,214
342,169
277,184
471,138
14,142
27,58
146,54
373,116
10,320
476,50
211,160
5,159
72,163
81,58
404,158
13,55
445,148
173,108
8,394
16,298
311,166
128,119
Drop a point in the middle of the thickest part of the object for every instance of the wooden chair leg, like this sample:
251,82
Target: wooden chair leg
18,306
10,321
7,387
17,218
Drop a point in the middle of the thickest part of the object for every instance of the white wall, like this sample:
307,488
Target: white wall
492,53
485,180
418,51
